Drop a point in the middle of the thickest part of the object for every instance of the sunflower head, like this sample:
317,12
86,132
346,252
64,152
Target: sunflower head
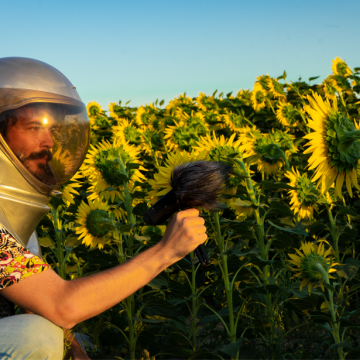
180,102
271,148
212,119
342,82
116,165
304,197
339,67
185,134
146,116
116,110
244,95
275,87
94,109
108,166
343,157
263,81
127,132
234,121
334,145
94,223
313,265
258,97
241,208
330,88
205,102
287,114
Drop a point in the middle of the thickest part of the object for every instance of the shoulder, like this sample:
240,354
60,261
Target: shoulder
16,262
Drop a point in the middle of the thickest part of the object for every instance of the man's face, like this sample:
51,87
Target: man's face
31,139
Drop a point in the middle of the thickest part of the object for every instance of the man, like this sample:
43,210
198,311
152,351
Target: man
44,138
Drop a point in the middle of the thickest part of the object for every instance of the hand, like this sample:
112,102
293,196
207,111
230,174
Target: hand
184,233
75,352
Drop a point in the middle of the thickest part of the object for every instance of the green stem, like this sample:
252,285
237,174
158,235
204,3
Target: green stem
228,288
334,233
336,324
259,221
304,120
59,243
269,102
194,304
344,103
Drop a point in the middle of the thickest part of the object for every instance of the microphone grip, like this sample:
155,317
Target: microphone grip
202,256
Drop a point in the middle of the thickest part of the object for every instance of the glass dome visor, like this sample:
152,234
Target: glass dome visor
50,140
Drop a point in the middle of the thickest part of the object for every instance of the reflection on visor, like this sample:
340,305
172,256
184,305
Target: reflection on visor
51,140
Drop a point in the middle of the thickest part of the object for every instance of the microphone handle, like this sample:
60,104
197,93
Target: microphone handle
202,256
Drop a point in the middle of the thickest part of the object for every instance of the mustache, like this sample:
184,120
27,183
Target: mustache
39,155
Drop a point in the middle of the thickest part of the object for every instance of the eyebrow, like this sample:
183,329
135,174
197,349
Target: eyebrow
33,122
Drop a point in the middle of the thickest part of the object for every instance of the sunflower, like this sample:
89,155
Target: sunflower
68,191
241,208
215,148
114,110
146,116
312,264
271,147
303,199
258,97
243,94
161,183
186,133
153,143
213,119
235,122
339,67
205,102
94,223
93,109
126,132
263,81
275,87
332,160
180,102
287,114
330,87
104,166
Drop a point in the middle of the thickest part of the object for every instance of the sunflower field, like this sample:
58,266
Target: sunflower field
284,278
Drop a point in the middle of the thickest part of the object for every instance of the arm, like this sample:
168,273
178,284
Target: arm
66,303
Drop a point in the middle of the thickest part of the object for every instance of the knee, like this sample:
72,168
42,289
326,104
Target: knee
45,339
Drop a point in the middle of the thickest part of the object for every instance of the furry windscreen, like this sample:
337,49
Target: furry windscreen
198,184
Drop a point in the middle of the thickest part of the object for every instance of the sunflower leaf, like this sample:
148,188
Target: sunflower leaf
299,230
349,270
282,241
344,344
268,185
313,78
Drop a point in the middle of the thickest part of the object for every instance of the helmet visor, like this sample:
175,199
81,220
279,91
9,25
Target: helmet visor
50,140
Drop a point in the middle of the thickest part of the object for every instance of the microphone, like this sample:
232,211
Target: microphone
196,184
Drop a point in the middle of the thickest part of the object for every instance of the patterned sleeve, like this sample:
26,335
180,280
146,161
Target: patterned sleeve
16,262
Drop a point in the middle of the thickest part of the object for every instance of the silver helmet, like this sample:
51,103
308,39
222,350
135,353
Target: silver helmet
44,137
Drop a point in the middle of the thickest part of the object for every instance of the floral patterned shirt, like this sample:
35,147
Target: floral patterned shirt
16,264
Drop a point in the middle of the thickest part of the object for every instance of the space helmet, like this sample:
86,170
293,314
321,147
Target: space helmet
44,138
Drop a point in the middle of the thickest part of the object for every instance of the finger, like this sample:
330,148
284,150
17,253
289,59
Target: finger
200,229
188,213
193,221
201,238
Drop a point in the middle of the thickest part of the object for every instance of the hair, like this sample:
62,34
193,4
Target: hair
198,184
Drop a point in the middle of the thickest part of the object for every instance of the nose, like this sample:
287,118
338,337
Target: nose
46,139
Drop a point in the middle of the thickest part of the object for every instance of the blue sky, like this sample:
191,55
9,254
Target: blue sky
143,50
